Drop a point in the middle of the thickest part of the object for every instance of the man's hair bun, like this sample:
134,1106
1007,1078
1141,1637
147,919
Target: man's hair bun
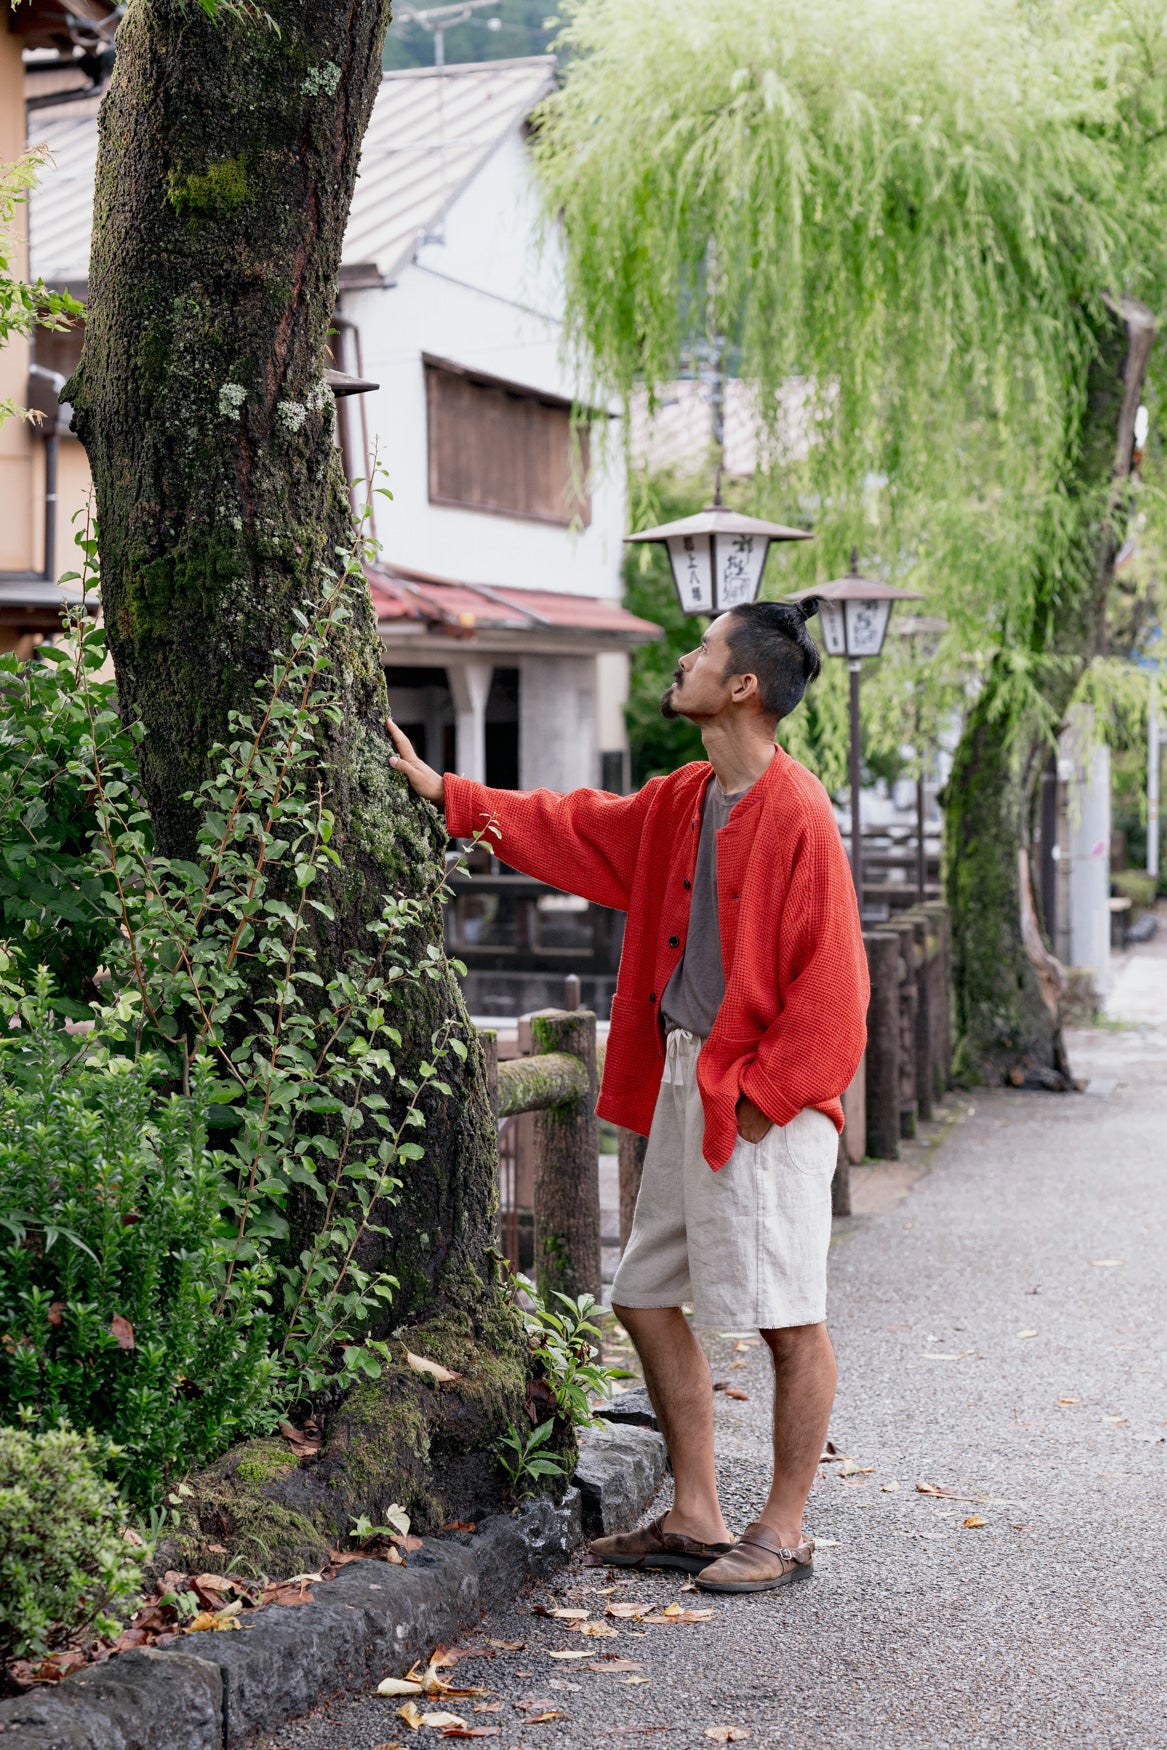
808,607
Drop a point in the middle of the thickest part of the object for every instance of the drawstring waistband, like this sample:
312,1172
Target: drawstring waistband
681,1047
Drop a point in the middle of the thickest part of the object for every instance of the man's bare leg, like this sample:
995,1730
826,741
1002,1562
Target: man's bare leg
681,1392
804,1390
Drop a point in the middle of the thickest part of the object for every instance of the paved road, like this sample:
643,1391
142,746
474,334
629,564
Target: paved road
1000,1324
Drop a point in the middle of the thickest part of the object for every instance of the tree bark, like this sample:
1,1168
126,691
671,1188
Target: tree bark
228,154
1004,1028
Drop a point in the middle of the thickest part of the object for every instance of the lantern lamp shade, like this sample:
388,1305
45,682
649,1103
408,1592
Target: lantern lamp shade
854,612
718,557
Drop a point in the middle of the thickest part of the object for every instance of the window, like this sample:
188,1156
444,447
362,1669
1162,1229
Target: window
494,446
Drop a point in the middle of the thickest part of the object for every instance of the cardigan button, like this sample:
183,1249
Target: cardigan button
674,941
652,996
686,885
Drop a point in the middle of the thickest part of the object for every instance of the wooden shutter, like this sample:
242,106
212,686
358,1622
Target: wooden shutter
497,448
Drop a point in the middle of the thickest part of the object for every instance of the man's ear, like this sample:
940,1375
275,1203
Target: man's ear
745,686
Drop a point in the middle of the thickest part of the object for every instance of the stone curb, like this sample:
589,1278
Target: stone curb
372,1621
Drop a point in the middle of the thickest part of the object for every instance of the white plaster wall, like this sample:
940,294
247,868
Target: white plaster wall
557,723
466,300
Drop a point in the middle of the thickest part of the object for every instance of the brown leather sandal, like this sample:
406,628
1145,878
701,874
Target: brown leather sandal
654,1547
758,1562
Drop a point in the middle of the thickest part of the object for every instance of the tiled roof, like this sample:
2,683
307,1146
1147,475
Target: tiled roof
458,609
431,129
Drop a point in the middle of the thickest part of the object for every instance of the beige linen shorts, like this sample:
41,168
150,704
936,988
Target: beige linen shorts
746,1245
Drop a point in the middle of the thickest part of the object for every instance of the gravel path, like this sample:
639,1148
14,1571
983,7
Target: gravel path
1000,1325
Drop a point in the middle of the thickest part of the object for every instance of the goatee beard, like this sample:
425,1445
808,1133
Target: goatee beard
667,708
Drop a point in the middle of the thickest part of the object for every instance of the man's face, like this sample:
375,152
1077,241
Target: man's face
702,684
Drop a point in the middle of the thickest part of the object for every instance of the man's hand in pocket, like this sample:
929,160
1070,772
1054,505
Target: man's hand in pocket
752,1123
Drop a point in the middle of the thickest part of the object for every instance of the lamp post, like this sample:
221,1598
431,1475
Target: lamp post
854,612
718,556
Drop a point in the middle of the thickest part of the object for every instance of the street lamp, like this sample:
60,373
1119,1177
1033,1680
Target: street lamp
718,556
854,612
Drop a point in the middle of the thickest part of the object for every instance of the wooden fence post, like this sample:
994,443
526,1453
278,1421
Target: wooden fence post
924,936
632,1149
567,1166
905,930
883,1044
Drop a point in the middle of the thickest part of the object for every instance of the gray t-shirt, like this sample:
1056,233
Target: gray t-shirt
693,994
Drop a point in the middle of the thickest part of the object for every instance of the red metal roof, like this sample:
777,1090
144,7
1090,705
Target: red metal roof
454,608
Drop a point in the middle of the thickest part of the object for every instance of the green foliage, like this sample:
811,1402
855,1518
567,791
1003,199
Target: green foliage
114,1306
52,898
215,1023
24,306
64,1562
565,1345
910,212
524,1462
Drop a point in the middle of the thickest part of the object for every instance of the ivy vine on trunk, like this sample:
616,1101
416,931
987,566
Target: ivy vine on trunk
228,154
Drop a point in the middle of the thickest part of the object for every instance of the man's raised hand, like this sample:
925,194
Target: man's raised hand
424,779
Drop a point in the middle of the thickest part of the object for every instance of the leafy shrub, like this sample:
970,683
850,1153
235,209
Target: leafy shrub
52,729
1138,887
64,1562
565,1347
155,1287
114,1306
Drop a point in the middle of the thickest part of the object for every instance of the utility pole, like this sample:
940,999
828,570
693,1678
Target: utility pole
439,19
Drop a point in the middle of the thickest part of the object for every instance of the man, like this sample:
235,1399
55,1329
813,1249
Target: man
738,1021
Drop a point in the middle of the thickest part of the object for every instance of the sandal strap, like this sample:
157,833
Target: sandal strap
760,1535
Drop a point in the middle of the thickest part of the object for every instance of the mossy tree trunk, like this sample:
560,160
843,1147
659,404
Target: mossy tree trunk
1002,1021
228,154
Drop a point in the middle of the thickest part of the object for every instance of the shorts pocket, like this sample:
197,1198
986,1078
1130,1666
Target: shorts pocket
812,1142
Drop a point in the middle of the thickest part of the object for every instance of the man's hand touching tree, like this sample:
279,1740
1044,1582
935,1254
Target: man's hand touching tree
424,779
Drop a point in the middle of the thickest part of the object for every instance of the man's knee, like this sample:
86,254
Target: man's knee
791,1340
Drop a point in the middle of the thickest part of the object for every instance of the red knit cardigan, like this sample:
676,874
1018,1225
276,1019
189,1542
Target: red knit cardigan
792,1027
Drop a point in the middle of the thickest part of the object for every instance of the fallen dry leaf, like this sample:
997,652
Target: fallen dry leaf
1066,1402
398,1686
122,1330
727,1734
411,1714
488,1707
390,1744
562,1653
471,1731
889,1488
1027,1333
936,1355
678,1613
743,1397
612,1666
851,1467
438,1718
930,1489
599,1631
567,1612
460,1525
974,1521
1107,1263
305,1442
508,1646
551,1713
626,1609
435,1370
737,1364
636,1680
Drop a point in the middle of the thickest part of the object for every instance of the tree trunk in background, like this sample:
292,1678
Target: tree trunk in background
228,154
1002,1022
